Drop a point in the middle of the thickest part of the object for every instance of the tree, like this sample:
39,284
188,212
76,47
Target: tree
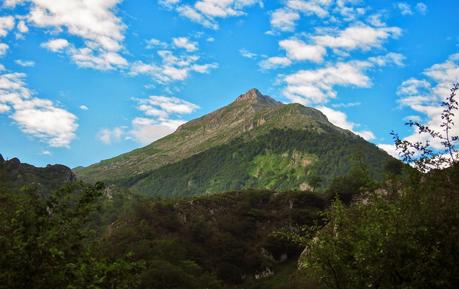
406,241
315,182
48,243
422,154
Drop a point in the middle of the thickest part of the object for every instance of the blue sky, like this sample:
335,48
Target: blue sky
86,80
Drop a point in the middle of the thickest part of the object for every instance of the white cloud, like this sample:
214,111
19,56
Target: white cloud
274,62
4,108
375,20
163,106
185,43
339,119
284,19
298,50
84,107
310,7
414,86
317,85
405,8
358,37
172,67
94,22
247,54
390,149
109,136
3,49
25,63
425,95
146,130
389,58
56,45
161,116
39,118
6,24
155,43
22,27
207,12
46,153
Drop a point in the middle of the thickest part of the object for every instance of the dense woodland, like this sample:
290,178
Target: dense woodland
356,231
81,237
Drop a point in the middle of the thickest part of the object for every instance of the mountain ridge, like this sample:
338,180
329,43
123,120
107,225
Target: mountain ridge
251,117
15,175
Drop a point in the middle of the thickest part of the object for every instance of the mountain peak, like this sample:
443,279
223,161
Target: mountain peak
252,94
255,96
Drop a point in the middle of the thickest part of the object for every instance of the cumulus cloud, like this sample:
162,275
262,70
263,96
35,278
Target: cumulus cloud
316,86
300,51
109,136
207,12
56,45
94,22
311,7
161,115
37,117
6,25
390,149
146,130
175,65
163,106
284,19
339,119
358,36
185,43
22,27
425,95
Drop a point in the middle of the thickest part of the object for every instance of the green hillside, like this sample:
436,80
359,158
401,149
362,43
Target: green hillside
16,176
255,142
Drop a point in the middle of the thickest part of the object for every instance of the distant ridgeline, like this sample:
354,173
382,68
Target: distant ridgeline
15,175
254,142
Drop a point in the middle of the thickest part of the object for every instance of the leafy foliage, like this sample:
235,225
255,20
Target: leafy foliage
46,243
211,241
404,235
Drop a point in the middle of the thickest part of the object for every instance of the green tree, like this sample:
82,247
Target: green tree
48,243
406,241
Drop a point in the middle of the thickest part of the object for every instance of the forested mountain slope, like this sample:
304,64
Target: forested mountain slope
255,142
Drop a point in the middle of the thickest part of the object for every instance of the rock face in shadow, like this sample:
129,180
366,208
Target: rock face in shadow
15,175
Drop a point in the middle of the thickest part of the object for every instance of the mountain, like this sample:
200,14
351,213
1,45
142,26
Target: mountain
14,175
254,142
